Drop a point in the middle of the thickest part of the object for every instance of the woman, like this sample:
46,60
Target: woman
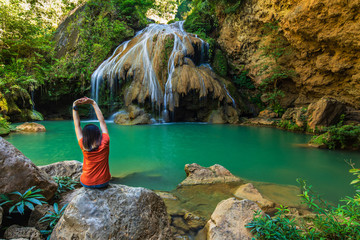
95,148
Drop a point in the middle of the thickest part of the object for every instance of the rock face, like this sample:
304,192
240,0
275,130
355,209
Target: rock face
324,113
31,127
117,212
229,219
248,191
197,174
39,212
133,116
295,115
17,232
268,114
71,169
18,173
323,38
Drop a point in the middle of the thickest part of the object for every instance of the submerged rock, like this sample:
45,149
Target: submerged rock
17,232
71,169
248,191
31,127
116,212
18,173
133,116
197,174
324,113
229,219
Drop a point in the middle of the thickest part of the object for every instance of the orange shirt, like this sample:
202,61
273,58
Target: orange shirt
96,163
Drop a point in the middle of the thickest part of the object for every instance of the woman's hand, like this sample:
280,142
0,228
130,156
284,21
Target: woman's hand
84,100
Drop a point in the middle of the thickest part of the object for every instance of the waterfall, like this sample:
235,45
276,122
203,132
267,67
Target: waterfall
155,63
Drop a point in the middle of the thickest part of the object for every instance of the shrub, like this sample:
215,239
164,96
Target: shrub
52,218
64,184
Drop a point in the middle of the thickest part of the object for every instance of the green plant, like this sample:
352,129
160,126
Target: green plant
28,199
220,64
277,227
52,218
243,81
64,184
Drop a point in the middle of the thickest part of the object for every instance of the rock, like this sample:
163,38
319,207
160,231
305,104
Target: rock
166,195
197,174
268,114
322,37
296,115
229,219
178,223
324,113
248,191
16,232
31,127
133,116
71,169
216,117
37,214
116,212
18,173
260,121
193,221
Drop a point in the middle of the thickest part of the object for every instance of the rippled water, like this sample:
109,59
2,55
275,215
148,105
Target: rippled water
154,156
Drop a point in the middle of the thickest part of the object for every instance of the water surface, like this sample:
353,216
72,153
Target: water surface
154,156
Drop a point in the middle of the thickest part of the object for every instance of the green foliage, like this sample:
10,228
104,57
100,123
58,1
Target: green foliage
64,184
243,81
330,222
27,199
52,218
274,47
219,63
278,227
289,125
183,9
168,47
232,6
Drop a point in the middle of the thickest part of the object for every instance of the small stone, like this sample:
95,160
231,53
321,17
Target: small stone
248,191
16,231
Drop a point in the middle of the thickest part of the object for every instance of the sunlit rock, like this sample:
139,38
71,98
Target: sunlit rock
248,191
71,169
229,219
116,212
31,127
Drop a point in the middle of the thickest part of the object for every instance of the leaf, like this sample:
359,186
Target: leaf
29,205
355,181
20,208
34,200
12,209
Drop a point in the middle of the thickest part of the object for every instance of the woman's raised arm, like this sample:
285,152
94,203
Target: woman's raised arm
100,117
76,118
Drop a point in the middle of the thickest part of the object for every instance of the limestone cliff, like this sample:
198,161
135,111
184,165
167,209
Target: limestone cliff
323,37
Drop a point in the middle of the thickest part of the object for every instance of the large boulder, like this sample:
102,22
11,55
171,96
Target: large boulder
324,113
71,169
19,232
248,191
197,174
296,115
18,173
229,219
31,127
116,212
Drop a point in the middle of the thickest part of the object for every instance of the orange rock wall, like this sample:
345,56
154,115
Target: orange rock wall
324,36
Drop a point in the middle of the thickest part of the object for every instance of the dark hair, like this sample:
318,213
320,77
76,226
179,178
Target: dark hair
91,137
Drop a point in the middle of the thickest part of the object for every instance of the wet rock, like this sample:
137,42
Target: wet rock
197,174
248,191
179,223
229,219
16,232
133,116
71,169
18,173
116,212
39,212
193,221
296,115
324,113
31,127
268,114
166,195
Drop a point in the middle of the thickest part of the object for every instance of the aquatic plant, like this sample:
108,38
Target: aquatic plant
28,199
64,184
52,218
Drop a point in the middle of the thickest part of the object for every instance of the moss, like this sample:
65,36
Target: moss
289,125
219,63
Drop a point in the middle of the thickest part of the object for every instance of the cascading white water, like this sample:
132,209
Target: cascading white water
143,61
